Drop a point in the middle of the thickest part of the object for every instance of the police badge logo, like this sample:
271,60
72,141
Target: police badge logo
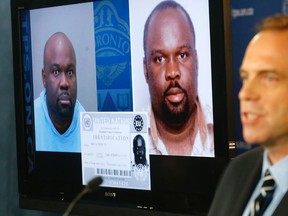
87,122
138,123
112,40
112,47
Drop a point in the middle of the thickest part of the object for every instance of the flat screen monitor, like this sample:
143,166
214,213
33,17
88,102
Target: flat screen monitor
128,90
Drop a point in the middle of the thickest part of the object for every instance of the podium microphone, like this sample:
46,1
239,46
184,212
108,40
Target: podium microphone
91,187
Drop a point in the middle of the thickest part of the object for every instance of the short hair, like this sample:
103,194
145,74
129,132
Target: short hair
274,22
160,7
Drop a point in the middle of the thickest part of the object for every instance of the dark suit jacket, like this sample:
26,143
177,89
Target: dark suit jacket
237,185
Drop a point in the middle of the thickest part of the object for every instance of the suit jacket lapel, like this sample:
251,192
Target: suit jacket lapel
282,208
250,181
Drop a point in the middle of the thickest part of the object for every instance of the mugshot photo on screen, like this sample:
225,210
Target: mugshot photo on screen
166,107
78,50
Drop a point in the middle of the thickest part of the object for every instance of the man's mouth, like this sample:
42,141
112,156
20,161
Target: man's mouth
64,99
251,116
175,95
248,117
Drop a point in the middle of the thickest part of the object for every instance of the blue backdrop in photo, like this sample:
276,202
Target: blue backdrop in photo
113,59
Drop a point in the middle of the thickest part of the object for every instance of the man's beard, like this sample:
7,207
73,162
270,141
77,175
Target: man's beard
65,110
179,112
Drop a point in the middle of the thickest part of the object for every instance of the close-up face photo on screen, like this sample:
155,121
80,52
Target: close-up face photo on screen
175,73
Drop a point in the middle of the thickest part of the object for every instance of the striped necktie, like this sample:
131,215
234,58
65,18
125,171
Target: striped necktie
266,194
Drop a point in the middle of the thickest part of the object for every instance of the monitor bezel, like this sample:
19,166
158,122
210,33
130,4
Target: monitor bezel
170,196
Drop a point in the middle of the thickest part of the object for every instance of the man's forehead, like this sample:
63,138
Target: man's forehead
267,51
167,19
167,14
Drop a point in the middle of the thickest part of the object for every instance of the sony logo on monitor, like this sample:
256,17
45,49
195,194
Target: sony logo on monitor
110,194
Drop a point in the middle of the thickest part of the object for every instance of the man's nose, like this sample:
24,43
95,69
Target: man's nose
248,91
172,70
63,80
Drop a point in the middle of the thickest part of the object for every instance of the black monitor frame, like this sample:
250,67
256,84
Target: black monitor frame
56,178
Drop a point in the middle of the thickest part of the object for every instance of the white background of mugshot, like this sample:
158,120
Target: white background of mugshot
199,13
77,22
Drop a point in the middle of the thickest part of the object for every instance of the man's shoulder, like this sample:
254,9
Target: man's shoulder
39,100
236,183
79,106
249,155
246,161
38,108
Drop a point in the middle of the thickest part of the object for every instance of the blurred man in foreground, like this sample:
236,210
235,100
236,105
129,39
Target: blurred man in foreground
256,183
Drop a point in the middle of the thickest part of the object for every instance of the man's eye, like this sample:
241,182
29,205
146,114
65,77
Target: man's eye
55,72
270,78
182,55
243,78
70,73
159,59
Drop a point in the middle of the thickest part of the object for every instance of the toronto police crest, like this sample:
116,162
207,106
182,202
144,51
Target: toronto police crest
112,47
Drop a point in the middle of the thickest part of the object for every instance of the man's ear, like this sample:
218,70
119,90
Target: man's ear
145,69
44,78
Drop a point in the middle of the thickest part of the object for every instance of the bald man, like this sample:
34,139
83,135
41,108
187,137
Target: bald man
57,126
247,188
